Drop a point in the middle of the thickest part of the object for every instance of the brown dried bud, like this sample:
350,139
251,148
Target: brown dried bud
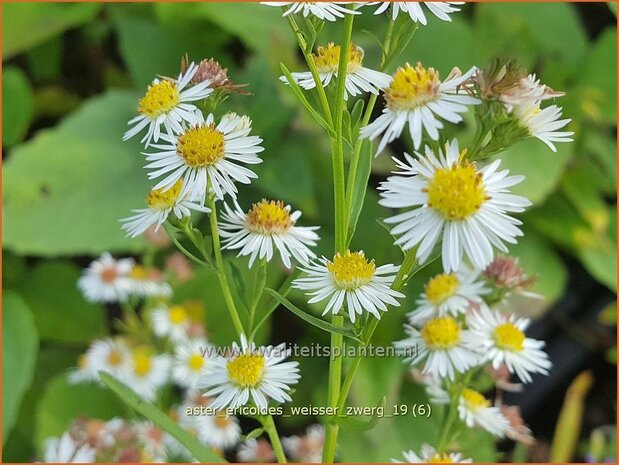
518,430
211,71
506,273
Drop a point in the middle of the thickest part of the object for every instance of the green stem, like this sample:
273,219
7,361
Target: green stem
452,414
333,393
221,268
269,427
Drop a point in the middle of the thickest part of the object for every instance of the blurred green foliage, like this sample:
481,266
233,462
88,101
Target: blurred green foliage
68,178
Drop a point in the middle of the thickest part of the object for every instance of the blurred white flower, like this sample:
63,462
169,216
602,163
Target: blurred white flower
430,455
66,450
106,279
475,410
441,10
329,11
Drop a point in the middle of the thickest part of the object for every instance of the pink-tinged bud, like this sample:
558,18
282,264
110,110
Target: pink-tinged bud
506,273
180,267
212,72
518,430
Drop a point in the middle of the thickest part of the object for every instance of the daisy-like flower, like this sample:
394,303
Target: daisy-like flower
172,322
449,293
206,154
66,450
152,439
475,410
351,280
250,372
160,204
167,103
430,455
416,96
307,448
220,431
544,124
500,339
268,225
148,372
443,344
110,356
84,372
148,282
189,363
329,11
256,450
441,10
106,279
450,196
527,90
358,78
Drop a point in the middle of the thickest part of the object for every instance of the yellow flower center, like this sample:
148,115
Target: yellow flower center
456,192
178,315
109,275
441,287
201,146
158,199
327,58
196,362
142,362
474,400
351,270
222,421
440,458
441,333
507,336
139,273
412,87
269,217
160,98
114,358
246,370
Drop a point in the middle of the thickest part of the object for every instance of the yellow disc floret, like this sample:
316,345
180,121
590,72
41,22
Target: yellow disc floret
115,358
351,270
160,98
441,287
441,333
269,217
327,58
196,362
412,87
142,361
160,199
178,315
246,370
440,458
456,192
474,400
201,146
509,337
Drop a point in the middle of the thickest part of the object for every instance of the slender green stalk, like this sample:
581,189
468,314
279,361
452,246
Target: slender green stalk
333,394
221,268
269,427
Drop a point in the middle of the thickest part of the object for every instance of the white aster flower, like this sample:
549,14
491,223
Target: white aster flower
441,10
148,372
152,439
449,293
189,362
256,450
544,124
442,343
66,450
84,372
106,279
358,78
110,356
430,455
329,11
172,322
528,90
160,204
206,154
147,282
306,448
220,431
250,373
500,339
450,196
475,410
416,96
350,280
167,103
267,226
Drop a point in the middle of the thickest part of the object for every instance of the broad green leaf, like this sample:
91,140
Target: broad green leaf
27,24
601,261
65,190
317,322
62,402
199,451
20,344
17,106
60,312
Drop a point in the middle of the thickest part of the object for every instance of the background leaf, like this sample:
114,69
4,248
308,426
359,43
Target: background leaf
17,107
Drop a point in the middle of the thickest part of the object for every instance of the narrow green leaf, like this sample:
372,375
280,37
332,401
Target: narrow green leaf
253,434
195,448
364,170
317,322
360,425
